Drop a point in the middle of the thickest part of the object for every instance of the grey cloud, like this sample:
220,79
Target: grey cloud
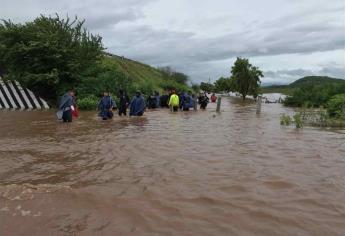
162,46
103,22
308,27
338,72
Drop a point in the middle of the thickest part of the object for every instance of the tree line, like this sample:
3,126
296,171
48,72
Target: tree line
244,79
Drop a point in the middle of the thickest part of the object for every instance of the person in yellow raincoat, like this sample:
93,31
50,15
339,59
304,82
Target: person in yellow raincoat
174,101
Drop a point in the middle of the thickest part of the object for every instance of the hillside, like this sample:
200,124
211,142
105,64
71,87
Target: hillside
305,81
113,73
316,80
146,77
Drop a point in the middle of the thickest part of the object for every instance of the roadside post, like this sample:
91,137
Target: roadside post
258,105
219,102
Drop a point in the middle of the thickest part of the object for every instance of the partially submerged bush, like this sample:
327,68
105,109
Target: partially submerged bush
88,103
285,120
298,120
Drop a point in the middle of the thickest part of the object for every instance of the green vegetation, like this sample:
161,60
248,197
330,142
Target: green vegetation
51,55
225,85
88,103
313,117
297,119
316,80
314,95
336,106
308,81
245,79
325,93
284,89
207,87
285,120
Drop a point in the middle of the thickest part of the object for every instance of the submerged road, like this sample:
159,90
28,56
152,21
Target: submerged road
194,173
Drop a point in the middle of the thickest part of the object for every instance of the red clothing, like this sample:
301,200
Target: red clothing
213,98
75,112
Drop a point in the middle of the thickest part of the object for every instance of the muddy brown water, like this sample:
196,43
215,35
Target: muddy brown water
195,173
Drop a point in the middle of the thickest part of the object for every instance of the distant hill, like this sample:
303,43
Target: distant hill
305,81
315,80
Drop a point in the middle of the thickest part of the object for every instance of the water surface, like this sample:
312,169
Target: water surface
195,173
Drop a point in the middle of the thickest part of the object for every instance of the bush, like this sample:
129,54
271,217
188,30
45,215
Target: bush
285,120
298,120
88,103
336,106
314,95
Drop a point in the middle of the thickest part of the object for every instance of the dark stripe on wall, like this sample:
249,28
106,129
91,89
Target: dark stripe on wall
39,101
20,96
12,95
30,99
2,104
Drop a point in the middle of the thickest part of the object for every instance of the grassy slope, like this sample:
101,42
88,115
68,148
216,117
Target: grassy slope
309,80
137,70
144,75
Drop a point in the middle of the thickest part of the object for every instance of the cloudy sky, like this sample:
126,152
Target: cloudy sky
287,39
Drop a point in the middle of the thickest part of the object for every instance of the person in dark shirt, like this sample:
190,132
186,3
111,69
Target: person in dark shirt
164,100
124,101
203,101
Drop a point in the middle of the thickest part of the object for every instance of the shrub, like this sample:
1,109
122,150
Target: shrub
314,95
298,120
88,103
336,106
285,120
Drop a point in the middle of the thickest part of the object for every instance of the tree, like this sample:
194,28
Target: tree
196,88
246,77
224,85
48,55
207,87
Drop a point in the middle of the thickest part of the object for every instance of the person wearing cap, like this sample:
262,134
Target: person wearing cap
138,105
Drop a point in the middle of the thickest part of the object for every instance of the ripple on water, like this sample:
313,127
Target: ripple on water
194,173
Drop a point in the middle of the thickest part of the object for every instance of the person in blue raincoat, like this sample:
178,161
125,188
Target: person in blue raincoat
192,100
185,104
66,106
138,105
105,106
158,98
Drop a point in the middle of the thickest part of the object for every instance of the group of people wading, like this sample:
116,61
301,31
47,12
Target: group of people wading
106,106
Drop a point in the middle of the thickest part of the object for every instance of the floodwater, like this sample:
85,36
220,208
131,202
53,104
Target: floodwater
195,173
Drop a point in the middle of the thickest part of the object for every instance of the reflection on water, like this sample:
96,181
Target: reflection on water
195,173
